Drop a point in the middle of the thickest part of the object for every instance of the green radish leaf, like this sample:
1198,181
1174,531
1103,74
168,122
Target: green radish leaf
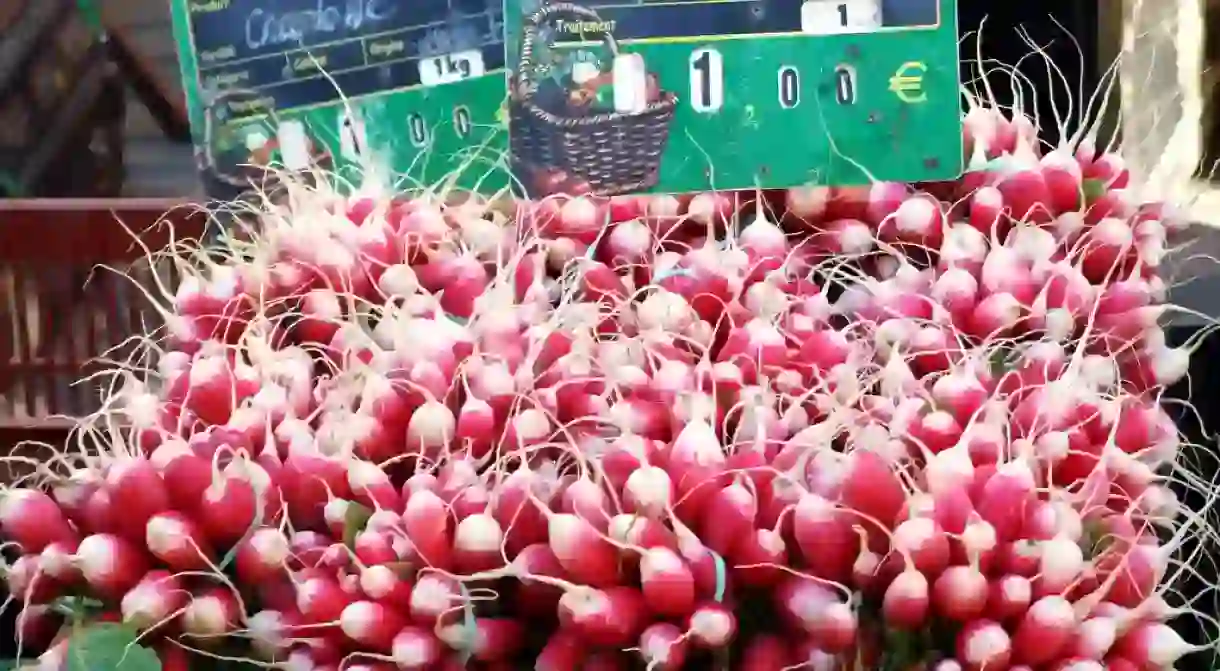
1093,189
109,647
1002,360
354,520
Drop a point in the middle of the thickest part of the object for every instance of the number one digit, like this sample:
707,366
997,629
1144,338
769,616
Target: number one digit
843,14
704,65
351,134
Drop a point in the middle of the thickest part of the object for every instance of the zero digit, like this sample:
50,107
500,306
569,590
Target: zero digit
461,121
706,80
789,87
845,85
417,129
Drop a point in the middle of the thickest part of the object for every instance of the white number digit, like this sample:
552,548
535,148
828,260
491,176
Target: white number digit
789,87
293,141
417,129
450,68
706,80
845,85
461,122
833,17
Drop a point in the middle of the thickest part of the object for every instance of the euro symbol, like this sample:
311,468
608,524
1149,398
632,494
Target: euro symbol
907,82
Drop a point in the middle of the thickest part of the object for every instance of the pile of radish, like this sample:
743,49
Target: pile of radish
897,427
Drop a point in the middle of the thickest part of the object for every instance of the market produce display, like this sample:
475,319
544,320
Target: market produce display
898,427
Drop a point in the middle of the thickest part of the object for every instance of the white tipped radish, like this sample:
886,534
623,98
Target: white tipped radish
156,599
371,624
906,601
984,645
1046,629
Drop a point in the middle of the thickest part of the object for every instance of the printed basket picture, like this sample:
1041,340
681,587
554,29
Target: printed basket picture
251,178
614,152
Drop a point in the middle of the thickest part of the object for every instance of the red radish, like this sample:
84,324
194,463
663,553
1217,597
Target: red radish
110,564
478,543
613,617
36,627
175,540
371,624
906,600
1152,645
33,519
807,202
30,583
564,650
320,600
960,593
712,626
262,555
582,551
667,583
212,613
826,538
766,652
663,646
426,523
486,639
434,597
984,645
416,649
1044,631
154,601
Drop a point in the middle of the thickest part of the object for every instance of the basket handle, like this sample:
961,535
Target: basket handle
529,36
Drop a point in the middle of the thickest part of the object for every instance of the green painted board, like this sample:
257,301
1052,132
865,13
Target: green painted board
738,94
415,88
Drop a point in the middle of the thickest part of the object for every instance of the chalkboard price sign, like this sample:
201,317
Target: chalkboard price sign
413,86
621,96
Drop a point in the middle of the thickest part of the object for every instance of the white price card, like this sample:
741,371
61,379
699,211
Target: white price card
834,17
450,68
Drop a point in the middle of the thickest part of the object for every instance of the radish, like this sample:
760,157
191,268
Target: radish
211,613
411,425
1044,631
906,601
983,644
416,649
613,617
174,539
1152,644
960,593
663,646
667,583
33,520
156,599
371,624
110,565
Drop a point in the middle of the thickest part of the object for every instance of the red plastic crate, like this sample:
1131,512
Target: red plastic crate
60,309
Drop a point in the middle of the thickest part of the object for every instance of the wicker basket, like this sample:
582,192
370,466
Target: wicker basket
613,152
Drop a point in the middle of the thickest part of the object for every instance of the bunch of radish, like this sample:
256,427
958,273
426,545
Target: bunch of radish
903,426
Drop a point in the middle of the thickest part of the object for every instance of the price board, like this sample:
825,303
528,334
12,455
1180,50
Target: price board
623,96
412,87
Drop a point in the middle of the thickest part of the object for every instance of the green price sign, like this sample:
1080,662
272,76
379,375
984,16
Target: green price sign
624,96
413,87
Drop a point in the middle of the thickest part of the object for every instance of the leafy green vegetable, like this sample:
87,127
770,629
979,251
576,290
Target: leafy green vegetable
109,647
354,521
1093,189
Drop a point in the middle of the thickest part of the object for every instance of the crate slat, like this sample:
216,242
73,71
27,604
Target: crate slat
59,311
